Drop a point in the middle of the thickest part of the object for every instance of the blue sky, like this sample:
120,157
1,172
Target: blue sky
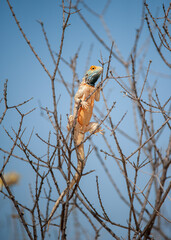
26,78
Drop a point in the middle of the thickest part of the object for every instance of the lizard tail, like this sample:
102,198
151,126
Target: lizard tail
78,138
56,205
80,166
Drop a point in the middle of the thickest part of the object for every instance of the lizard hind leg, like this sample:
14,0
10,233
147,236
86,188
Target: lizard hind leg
93,126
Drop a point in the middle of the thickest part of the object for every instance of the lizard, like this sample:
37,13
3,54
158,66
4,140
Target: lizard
80,123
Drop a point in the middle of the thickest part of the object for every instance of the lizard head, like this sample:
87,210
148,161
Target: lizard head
92,75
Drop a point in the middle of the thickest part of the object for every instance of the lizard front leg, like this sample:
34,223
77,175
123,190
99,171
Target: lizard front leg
83,104
70,122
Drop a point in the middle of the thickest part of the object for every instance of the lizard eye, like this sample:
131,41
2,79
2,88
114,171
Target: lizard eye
92,67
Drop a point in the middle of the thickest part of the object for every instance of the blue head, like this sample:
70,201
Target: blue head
92,75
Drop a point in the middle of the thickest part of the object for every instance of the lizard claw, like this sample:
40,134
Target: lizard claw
84,104
101,131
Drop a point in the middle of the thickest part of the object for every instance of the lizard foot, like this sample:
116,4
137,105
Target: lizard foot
99,130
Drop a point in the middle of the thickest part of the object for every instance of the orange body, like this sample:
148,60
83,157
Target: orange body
84,115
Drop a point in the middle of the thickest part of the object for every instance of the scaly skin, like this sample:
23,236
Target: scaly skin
80,120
